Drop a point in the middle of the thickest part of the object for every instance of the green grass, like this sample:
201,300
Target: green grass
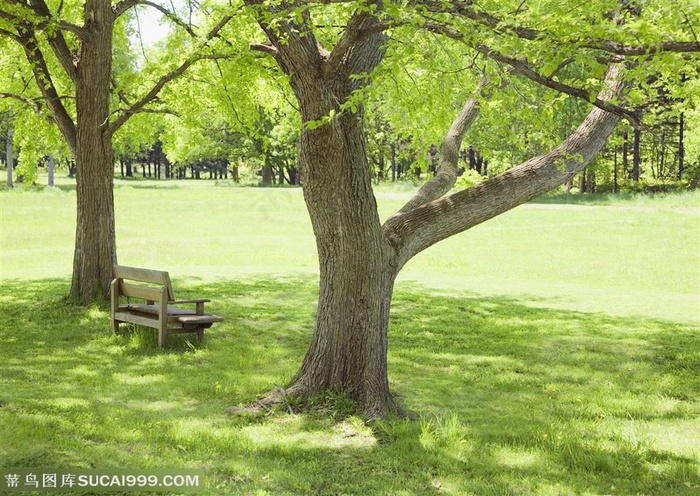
553,350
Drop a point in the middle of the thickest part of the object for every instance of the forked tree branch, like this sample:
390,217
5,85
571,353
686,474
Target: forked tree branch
354,52
448,162
412,232
43,21
295,45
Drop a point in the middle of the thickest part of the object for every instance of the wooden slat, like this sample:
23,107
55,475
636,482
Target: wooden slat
155,310
136,319
200,319
143,292
143,275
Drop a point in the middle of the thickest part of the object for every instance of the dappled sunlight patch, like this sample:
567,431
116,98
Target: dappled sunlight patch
207,435
515,457
290,432
94,314
142,379
658,435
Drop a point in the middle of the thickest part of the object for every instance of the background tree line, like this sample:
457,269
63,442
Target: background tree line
217,136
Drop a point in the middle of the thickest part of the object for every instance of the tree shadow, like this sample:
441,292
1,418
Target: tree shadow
511,398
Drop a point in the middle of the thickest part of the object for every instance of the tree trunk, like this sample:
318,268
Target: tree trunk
95,247
681,146
616,186
357,270
267,178
8,154
625,154
636,154
52,164
348,349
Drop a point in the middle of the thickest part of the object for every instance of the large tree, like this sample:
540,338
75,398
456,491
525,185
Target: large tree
329,71
69,46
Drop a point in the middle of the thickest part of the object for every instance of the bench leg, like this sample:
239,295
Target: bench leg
200,333
115,327
163,335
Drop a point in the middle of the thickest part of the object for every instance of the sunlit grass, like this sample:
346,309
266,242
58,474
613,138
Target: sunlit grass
633,257
554,350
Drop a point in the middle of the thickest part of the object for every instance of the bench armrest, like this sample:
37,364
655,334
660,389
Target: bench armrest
199,301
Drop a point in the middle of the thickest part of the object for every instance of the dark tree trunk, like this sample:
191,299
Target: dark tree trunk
636,154
95,247
349,345
267,177
681,146
625,154
51,166
280,175
348,350
616,186
8,155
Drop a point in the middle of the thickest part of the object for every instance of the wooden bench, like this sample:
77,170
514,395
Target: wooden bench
155,288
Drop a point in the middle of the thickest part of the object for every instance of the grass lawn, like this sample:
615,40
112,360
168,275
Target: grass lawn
552,350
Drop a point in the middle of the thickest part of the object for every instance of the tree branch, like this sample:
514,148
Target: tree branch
42,76
448,162
523,68
636,50
170,76
267,48
355,39
411,232
499,26
34,104
296,45
56,40
125,5
121,7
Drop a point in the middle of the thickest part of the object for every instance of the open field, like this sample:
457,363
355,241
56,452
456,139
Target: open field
552,350
636,257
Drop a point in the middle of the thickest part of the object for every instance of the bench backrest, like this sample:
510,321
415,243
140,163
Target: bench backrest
158,278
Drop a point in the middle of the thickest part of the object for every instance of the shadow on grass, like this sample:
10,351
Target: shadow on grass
512,399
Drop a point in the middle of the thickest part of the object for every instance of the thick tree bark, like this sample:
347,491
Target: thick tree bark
357,270
95,245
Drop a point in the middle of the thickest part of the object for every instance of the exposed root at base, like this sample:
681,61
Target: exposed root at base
268,404
332,403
